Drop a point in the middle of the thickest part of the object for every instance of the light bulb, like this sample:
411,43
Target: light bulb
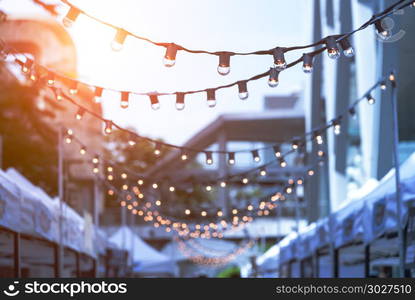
51,79
71,17
224,64
27,65
58,94
119,39
155,186
370,99
220,213
95,160
347,48
125,97
282,162
98,94
203,213
73,89
172,189
245,180
169,59
310,172
383,85
209,158
109,169
211,99
187,211
332,50
382,32
273,77
277,151
336,127
255,156
82,151
155,104
157,150
320,153
183,156
95,170
180,101
279,59
68,140
131,141
307,63
223,184
263,172
242,90
231,158
140,182
108,126
79,115
208,188
295,145
319,139
124,176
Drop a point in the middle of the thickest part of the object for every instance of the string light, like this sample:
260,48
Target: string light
383,85
295,144
124,176
319,138
79,115
140,182
382,33
223,184
279,59
27,66
124,99
82,150
169,59
154,100
95,160
255,156
282,162
157,150
347,48
184,156
208,188
51,79
263,172
98,94
187,211
243,90
209,159
231,158
131,140
336,126
172,189
203,214
310,172
245,180
119,39
277,151
211,98
180,101
58,94
73,88
307,63
155,186
370,99
332,49
71,17
224,64
273,77
108,126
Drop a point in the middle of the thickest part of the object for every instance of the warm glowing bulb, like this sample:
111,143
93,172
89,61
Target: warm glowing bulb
82,151
155,185
208,188
140,182
263,172
223,184
245,180
203,213
172,189
187,211
95,170
184,156
124,176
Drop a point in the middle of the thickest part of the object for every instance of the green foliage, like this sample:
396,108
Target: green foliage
230,272
29,140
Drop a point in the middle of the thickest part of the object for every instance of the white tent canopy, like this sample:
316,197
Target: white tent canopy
145,258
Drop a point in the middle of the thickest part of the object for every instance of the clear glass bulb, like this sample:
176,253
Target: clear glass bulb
224,70
243,95
223,184
179,106
384,34
209,161
155,106
333,53
337,129
124,104
168,62
272,82
231,161
307,68
211,102
67,22
115,46
280,65
157,152
349,52
263,172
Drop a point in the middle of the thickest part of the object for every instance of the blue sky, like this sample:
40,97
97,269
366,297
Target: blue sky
236,25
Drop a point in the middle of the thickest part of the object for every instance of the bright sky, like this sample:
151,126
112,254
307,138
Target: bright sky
238,25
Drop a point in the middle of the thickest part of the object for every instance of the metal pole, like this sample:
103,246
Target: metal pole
397,175
61,195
